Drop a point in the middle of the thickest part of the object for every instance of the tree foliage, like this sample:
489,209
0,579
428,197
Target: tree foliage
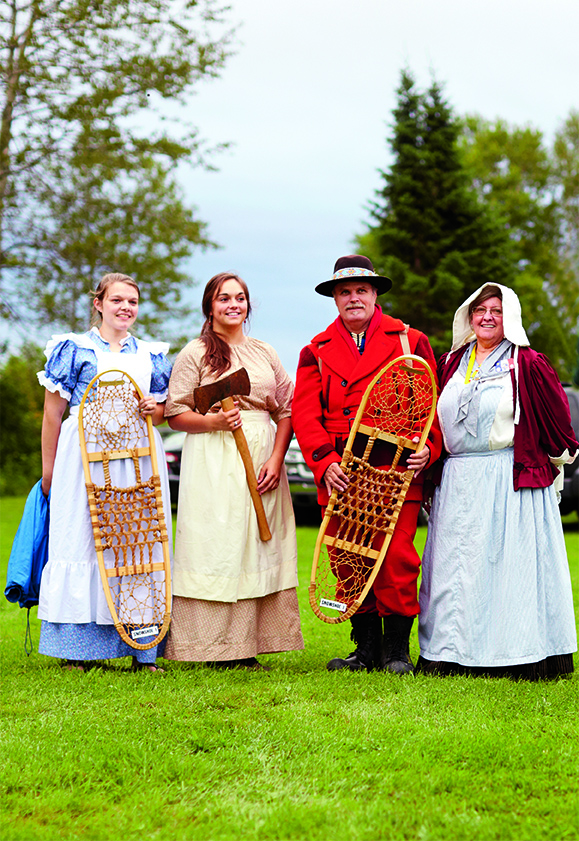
470,201
432,234
86,184
135,223
565,157
21,407
536,190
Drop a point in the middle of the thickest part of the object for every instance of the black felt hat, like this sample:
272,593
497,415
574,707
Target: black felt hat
349,267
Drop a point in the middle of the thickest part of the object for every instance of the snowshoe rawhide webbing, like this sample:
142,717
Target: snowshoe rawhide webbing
398,405
128,520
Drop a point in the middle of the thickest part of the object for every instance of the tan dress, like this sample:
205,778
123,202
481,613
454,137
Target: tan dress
234,595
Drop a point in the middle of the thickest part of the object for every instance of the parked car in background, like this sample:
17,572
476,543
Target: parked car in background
173,445
570,493
302,486
300,477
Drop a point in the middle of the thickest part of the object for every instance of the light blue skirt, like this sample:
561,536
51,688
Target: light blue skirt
90,641
496,589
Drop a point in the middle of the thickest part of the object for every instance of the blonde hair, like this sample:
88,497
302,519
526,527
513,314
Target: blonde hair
101,292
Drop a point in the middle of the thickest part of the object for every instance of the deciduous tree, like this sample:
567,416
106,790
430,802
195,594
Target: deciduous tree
21,406
536,190
87,178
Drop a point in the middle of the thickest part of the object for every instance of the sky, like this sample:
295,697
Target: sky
306,102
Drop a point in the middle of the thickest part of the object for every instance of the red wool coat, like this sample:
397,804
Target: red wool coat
332,377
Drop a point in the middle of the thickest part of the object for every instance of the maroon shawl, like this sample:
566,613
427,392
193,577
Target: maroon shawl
544,427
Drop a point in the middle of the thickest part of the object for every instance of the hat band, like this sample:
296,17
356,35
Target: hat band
353,271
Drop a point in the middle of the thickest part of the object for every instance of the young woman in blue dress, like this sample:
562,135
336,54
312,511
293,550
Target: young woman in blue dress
76,622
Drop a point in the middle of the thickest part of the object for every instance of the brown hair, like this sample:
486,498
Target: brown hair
486,293
217,352
101,292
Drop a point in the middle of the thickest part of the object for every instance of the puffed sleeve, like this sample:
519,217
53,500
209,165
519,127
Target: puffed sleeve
60,371
185,377
284,389
160,376
551,409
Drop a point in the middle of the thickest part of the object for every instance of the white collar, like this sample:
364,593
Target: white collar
102,338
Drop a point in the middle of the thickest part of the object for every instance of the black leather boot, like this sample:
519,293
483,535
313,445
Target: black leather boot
395,652
367,634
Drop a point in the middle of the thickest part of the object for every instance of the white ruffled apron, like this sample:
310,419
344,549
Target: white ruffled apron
71,589
137,365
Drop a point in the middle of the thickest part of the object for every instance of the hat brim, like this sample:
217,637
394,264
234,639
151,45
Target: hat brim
382,284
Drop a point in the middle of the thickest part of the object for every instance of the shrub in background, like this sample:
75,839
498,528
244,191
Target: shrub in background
21,407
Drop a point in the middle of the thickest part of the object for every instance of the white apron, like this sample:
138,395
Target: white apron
71,589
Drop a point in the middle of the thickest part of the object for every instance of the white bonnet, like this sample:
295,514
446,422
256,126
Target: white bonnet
462,332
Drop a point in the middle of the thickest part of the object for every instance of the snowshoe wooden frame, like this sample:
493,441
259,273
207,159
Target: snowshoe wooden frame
398,405
127,521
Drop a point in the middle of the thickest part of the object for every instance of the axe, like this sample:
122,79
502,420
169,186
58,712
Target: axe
222,391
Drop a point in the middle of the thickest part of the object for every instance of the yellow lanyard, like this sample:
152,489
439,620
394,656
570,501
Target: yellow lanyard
471,361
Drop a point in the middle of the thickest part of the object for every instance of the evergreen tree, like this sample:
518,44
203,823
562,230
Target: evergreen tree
433,236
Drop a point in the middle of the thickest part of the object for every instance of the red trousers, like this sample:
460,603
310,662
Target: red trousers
394,589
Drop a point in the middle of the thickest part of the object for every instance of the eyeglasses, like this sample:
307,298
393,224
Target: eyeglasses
481,311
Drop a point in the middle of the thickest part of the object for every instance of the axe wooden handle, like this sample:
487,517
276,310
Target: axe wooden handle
241,441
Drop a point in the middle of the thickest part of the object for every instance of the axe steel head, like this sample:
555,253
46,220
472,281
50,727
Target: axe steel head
206,396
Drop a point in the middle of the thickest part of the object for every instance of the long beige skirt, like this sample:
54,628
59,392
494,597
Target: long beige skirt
219,555
204,631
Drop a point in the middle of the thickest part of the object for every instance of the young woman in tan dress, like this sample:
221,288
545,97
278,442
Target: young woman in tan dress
234,594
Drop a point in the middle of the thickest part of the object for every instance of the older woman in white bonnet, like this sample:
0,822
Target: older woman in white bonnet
496,597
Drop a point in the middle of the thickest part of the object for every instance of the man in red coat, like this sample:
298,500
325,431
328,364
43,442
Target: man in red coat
334,371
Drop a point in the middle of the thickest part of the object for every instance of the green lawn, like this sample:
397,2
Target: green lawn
297,753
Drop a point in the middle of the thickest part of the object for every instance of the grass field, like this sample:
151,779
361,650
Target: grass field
297,753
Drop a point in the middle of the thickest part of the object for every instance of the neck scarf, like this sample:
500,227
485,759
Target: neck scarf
497,364
359,340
